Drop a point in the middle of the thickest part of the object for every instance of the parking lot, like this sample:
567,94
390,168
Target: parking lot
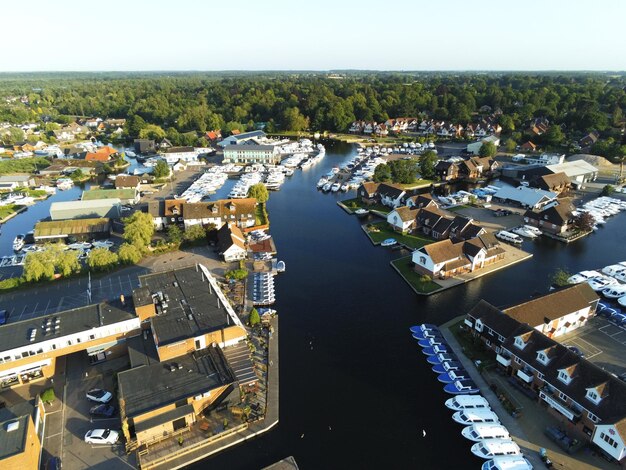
602,342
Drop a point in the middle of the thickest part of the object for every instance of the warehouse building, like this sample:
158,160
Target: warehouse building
96,208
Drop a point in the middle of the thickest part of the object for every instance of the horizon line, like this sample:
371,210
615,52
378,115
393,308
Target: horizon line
335,70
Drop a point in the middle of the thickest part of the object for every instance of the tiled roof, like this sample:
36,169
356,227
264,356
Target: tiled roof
406,214
390,190
443,251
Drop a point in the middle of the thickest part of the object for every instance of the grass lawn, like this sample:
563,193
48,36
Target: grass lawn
473,348
458,208
417,184
7,210
385,231
355,203
405,266
260,215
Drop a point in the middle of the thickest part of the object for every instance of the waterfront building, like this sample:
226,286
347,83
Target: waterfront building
240,212
10,182
587,400
77,229
127,182
103,208
446,258
388,194
238,139
578,171
21,426
556,219
144,146
231,243
125,196
529,198
252,153
474,147
176,154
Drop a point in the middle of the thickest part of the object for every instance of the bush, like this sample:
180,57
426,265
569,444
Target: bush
129,254
236,274
101,259
560,277
11,283
607,190
48,396
254,318
194,233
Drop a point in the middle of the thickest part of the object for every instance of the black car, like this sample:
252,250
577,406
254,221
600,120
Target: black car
102,410
3,316
576,351
53,463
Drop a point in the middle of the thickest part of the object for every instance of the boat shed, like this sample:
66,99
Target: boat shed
578,171
80,229
107,208
530,198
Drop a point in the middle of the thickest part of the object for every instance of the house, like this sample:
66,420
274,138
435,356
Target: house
589,139
368,192
474,147
157,210
390,195
125,196
546,159
421,201
180,165
127,182
559,312
555,182
102,208
231,243
578,171
176,154
402,219
538,126
447,170
528,147
446,258
224,211
17,181
251,153
238,139
587,400
530,198
214,135
102,154
144,146
77,229
555,219
20,427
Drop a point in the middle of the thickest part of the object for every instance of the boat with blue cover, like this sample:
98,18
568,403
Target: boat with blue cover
461,386
423,327
425,335
439,358
436,349
447,367
429,342
452,376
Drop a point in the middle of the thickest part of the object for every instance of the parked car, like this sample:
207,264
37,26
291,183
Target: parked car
53,463
101,436
99,396
576,351
102,410
3,316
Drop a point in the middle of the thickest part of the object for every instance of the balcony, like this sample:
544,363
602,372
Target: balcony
556,403
468,323
525,375
505,361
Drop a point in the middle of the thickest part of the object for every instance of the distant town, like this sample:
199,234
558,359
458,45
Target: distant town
140,266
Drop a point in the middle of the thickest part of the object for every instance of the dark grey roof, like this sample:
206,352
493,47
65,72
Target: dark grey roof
178,149
15,335
166,417
14,442
142,352
154,385
494,318
248,135
391,191
190,295
156,208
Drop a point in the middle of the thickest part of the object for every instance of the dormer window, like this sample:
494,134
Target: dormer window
543,358
593,395
564,376
519,342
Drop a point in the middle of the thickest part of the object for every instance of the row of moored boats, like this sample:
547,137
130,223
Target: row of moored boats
482,425
610,281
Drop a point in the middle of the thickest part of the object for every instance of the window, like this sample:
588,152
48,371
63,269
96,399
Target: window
539,375
564,377
593,417
518,360
541,357
562,396
608,440
593,395
92,336
488,342
519,342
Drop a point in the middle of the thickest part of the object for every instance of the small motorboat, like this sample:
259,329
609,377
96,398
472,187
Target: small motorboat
361,212
426,334
18,242
447,366
432,341
467,402
468,417
461,386
440,358
388,242
453,376
280,267
490,448
424,327
507,462
480,431
437,349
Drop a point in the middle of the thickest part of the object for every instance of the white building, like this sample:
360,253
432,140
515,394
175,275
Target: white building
474,147
241,138
578,171
611,438
252,153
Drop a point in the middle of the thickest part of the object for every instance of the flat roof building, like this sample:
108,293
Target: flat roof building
95,208
252,153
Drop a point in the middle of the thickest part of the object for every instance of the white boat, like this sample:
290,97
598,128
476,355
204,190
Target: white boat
102,244
327,187
335,187
467,402
613,269
531,229
508,462
601,282
490,448
480,431
614,292
280,267
79,246
130,154
361,212
64,184
509,237
582,277
344,187
322,181
18,242
475,416
388,242
521,231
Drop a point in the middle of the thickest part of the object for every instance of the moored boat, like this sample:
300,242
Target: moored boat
507,462
490,448
461,386
388,242
18,242
480,431
468,417
361,212
467,402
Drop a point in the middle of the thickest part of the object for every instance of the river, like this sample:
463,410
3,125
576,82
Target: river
355,389
361,393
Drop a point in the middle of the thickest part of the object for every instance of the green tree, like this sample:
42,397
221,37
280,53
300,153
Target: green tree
37,267
510,145
194,233
129,254
293,120
488,149
560,277
101,259
259,192
554,136
67,263
174,234
152,131
607,190
382,173
428,161
236,274
254,318
48,396
139,229
161,169
77,174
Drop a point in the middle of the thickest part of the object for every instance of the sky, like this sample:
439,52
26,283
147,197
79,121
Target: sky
138,35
